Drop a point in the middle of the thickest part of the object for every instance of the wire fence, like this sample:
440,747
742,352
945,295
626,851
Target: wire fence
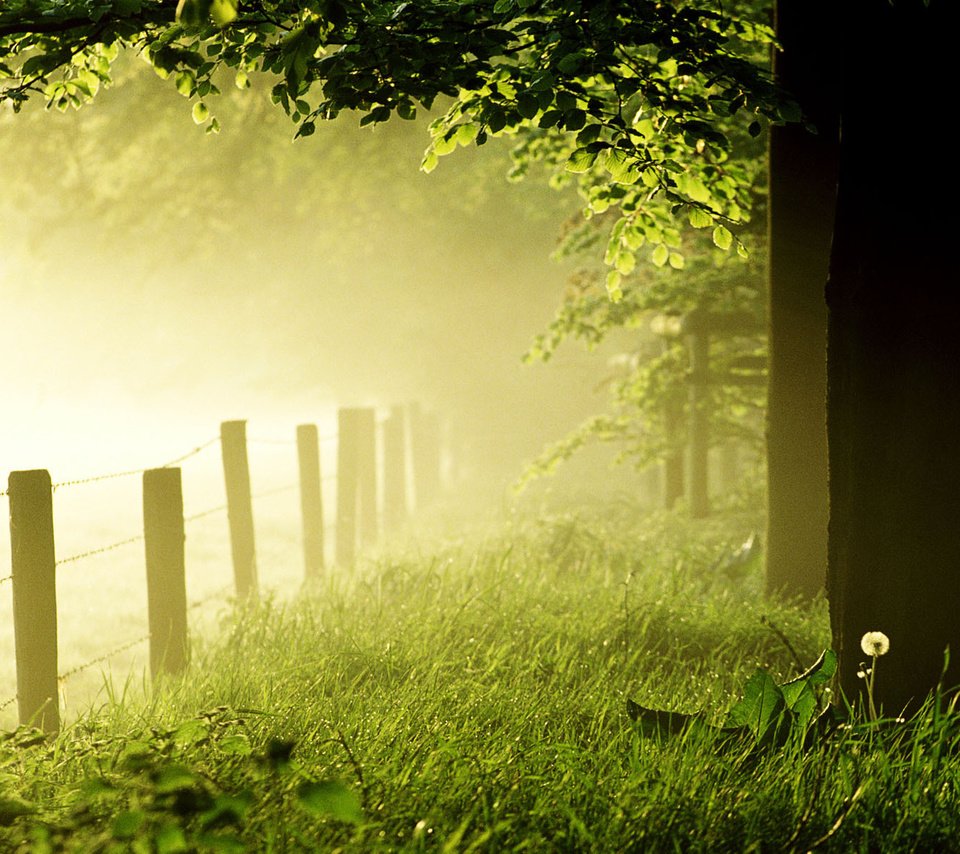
221,593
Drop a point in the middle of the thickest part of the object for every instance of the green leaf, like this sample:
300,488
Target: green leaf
170,840
190,732
722,237
235,745
200,112
430,161
331,799
185,83
699,218
223,12
614,291
661,254
551,118
127,824
581,160
626,262
174,777
692,187
761,707
527,105
676,260
574,119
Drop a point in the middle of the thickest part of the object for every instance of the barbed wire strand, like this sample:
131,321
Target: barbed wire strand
95,478
130,472
275,491
192,453
194,516
7,703
5,579
135,539
216,594
73,671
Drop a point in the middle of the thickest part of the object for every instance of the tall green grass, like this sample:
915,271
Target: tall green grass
474,698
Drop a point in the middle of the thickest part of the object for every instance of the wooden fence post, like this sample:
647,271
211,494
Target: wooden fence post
166,577
348,492
33,561
699,424
311,499
367,473
425,436
394,469
356,481
236,473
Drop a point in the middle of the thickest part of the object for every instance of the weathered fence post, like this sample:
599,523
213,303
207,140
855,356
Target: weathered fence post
425,444
311,499
367,472
348,492
166,576
34,583
356,481
394,469
699,424
236,473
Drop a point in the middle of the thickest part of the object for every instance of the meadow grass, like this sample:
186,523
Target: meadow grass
474,698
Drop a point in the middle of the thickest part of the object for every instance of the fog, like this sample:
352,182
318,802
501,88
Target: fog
157,280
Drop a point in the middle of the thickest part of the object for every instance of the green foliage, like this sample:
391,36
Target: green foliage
641,100
648,386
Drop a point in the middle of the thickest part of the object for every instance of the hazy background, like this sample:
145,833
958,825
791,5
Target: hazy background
156,280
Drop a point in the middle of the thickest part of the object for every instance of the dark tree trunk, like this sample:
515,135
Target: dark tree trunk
803,186
894,351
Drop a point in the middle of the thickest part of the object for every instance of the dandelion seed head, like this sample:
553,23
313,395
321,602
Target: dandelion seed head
875,643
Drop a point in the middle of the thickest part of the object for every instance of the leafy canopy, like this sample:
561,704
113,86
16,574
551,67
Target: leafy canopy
637,98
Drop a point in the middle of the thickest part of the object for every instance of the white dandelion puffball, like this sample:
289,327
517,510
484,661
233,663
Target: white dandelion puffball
875,643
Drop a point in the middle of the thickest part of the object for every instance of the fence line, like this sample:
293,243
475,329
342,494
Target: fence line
73,558
73,671
33,574
96,478
193,453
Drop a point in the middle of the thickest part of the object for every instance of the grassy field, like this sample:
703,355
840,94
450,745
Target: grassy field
475,698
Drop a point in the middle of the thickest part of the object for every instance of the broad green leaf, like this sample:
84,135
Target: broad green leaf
200,112
235,745
691,186
699,218
170,840
626,262
761,706
331,799
127,823
581,160
223,12
661,254
430,161
722,237
185,83
467,133
527,105
676,260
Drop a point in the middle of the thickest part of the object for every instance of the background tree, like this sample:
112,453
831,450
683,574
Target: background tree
802,194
